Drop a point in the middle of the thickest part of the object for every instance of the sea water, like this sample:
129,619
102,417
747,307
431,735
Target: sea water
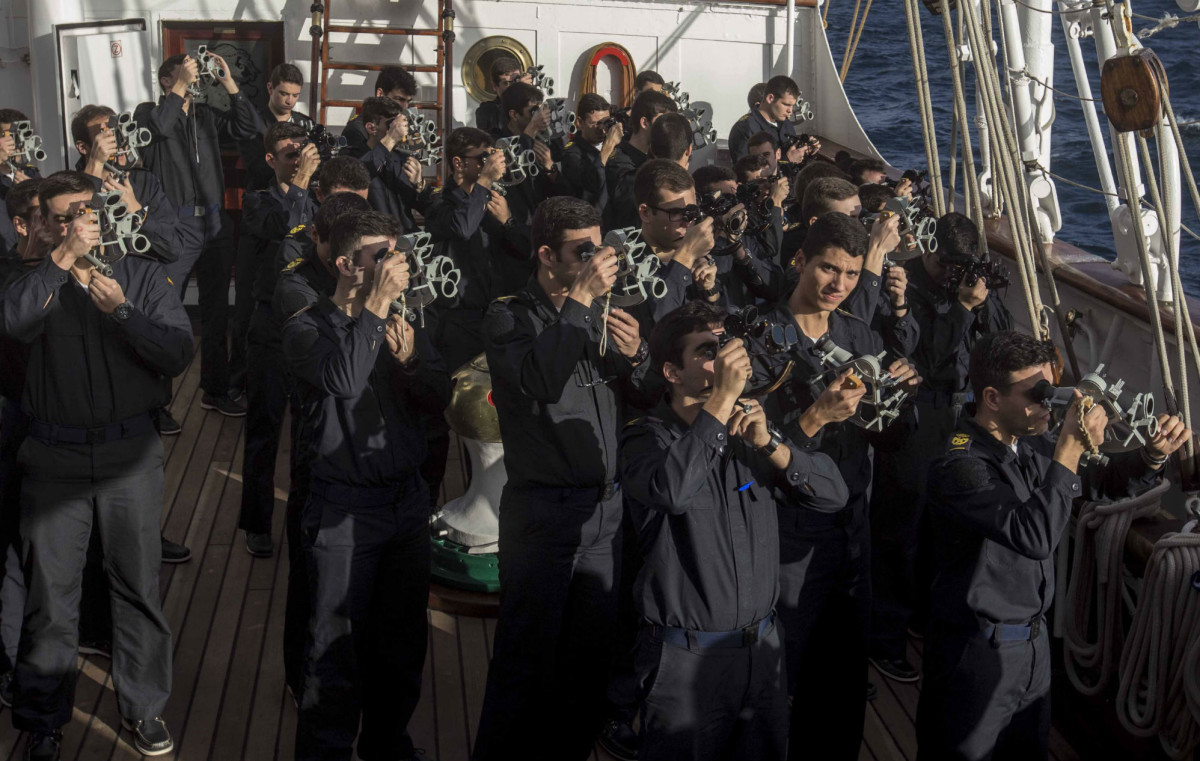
881,90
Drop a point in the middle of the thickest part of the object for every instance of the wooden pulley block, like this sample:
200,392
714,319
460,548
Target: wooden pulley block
935,6
1133,87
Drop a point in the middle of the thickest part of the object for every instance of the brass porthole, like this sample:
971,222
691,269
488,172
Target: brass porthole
477,64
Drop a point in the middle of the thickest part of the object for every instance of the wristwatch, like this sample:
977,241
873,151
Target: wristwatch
121,313
643,353
776,439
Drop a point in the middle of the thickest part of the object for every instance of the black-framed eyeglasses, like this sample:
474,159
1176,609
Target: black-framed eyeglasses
673,215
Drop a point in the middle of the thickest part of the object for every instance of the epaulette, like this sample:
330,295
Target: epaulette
851,315
504,299
293,264
296,229
642,419
568,145
302,310
959,442
743,118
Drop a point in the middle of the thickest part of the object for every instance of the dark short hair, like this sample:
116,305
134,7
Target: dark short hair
286,72
280,131
996,356
874,196
60,184
836,230
781,85
670,137
335,207
956,235
79,122
707,176
21,198
380,107
859,167
396,78
667,336
656,175
590,103
503,65
755,97
518,96
758,138
843,160
554,216
822,193
749,164
342,172
10,115
350,229
647,77
815,170
168,66
464,139
648,105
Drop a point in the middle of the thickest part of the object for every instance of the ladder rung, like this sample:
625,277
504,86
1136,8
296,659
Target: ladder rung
356,103
341,66
352,29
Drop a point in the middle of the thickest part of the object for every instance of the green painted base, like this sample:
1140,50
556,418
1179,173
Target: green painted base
453,567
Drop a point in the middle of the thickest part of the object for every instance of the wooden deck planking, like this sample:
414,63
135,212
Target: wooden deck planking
226,610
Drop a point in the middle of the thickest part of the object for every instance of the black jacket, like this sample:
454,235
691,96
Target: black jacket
622,210
254,154
185,152
85,369
391,192
556,397
998,516
489,117
302,278
355,133
583,176
749,125
704,507
360,410
269,216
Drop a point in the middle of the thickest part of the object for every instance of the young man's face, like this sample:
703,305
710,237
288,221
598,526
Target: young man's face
694,379
522,118
360,265
1015,410
724,187
285,159
873,176
591,127
566,263
505,80
63,211
403,97
663,225
94,128
656,87
826,280
283,98
779,109
470,164
770,154
851,207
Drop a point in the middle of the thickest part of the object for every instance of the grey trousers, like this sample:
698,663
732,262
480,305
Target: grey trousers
117,488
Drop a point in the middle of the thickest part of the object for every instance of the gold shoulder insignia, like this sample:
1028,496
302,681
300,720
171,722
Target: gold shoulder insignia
634,422
296,229
302,310
293,264
851,315
503,299
743,118
568,145
959,442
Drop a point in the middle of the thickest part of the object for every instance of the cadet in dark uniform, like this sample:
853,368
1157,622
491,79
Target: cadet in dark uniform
619,172
489,116
584,159
949,327
283,93
560,513
393,82
473,225
304,272
185,155
703,477
100,346
1000,498
267,217
825,585
397,187
773,116
363,378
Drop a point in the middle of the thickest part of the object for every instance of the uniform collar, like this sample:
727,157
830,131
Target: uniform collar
983,437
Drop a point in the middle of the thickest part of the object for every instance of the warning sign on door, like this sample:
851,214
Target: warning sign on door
115,48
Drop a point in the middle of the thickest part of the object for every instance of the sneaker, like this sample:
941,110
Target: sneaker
43,746
174,553
226,405
260,545
96,647
896,669
6,689
618,738
150,737
872,691
165,422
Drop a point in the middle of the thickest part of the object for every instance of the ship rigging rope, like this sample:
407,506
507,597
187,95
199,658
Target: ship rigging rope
1155,683
1094,593
970,177
916,43
855,36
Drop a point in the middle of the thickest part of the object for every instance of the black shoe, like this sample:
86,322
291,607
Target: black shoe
6,689
96,647
43,746
174,553
164,422
226,405
260,545
150,737
896,669
618,738
872,691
